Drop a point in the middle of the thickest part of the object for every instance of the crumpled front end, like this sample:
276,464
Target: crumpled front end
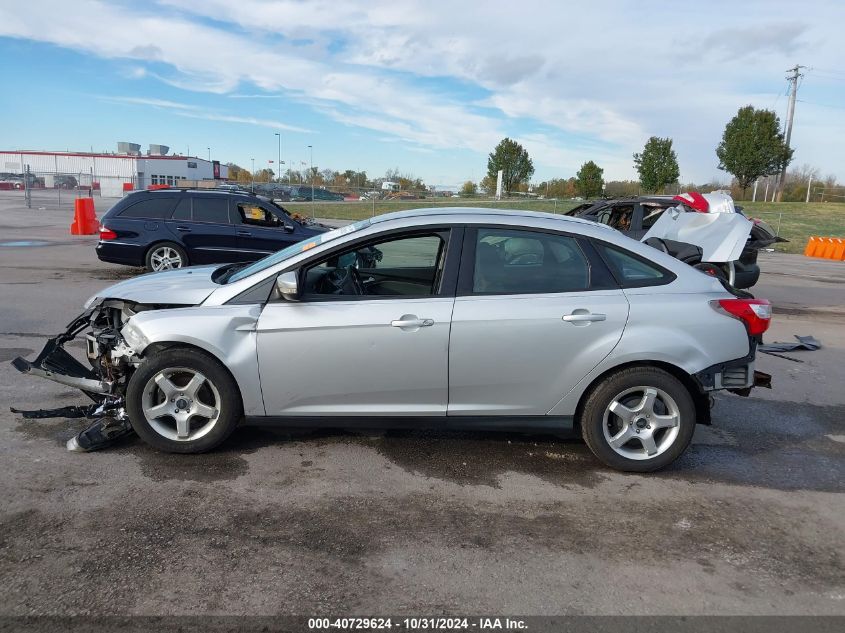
111,361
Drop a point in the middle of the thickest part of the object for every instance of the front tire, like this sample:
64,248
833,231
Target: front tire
638,419
166,256
183,401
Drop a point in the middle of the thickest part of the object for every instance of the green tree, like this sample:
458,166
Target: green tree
238,173
513,160
589,180
752,146
469,188
488,185
657,165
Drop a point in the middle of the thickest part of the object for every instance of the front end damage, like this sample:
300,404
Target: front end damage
111,361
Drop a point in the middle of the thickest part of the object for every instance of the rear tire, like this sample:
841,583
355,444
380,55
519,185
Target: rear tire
639,419
166,256
183,401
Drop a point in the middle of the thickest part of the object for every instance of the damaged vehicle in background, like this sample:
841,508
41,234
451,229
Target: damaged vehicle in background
439,318
715,237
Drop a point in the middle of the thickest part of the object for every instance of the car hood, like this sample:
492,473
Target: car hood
721,236
184,286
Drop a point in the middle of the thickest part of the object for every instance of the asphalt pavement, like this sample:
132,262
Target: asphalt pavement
750,521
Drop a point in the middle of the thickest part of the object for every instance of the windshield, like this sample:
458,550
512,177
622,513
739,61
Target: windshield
296,249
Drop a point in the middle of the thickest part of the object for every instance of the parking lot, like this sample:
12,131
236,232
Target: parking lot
751,520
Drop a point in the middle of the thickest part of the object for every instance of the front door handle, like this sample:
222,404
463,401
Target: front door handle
583,316
411,322
183,229
242,232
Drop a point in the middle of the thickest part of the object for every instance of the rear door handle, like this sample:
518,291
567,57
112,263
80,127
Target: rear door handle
241,232
411,321
583,317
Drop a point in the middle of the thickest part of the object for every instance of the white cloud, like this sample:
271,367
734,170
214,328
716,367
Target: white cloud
575,82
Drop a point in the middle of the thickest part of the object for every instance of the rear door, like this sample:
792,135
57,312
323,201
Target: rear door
535,312
260,231
202,223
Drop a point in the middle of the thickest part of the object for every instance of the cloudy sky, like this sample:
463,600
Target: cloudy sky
426,86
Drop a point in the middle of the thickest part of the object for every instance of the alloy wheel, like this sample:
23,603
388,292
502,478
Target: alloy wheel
181,404
165,258
641,422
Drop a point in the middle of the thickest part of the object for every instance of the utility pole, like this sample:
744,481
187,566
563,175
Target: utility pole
790,113
279,164
311,169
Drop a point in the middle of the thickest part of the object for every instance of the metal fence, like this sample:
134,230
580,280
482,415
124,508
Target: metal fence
53,190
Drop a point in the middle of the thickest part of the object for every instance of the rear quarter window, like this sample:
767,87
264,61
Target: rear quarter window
156,208
633,271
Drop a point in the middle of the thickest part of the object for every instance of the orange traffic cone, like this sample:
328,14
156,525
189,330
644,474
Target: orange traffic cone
84,219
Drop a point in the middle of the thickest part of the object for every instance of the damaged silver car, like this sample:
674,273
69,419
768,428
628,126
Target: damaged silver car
449,318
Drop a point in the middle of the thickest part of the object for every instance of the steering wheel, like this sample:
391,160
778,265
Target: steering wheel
344,281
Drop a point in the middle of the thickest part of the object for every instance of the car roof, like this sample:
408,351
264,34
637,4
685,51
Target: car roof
474,213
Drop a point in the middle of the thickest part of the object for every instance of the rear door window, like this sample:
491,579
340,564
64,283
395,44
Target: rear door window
183,209
211,209
156,208
511,261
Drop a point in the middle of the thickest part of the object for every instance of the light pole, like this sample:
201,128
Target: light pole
311,167
253,176
280,155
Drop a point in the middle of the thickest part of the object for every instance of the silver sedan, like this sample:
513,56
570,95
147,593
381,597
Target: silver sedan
448,318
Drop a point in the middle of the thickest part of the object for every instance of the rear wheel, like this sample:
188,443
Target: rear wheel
183,401
166,256
638,419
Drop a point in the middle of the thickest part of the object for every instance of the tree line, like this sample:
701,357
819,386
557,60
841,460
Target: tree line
752,148
346,179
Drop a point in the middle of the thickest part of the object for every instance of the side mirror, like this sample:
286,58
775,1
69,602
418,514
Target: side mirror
288,227
288,286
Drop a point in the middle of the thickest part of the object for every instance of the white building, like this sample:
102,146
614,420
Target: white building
112,174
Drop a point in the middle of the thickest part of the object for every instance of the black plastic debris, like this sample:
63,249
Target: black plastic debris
103,433
110,423
809,343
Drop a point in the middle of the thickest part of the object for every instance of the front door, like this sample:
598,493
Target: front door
531,320
369,336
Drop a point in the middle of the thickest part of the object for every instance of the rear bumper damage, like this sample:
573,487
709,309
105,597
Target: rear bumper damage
737,376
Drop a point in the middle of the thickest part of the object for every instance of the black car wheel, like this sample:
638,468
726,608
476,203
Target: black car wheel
166,256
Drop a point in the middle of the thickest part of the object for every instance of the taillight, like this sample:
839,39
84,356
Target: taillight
107,234
755,313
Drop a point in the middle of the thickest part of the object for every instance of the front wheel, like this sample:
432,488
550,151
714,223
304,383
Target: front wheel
183,401
638,419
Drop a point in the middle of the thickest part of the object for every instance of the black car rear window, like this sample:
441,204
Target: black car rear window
211,210
156,208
